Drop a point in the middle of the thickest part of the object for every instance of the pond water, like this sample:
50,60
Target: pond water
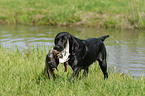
126,51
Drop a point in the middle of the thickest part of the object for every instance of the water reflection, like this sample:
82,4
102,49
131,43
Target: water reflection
128,55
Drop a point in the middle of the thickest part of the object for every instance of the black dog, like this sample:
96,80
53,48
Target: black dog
82,53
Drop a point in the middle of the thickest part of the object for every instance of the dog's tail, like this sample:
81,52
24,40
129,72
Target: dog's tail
104,37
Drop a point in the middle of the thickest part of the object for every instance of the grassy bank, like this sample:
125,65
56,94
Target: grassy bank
99,13
22,74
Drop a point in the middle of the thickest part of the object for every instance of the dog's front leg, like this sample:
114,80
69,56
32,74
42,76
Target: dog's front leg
86,70
65,65
75,73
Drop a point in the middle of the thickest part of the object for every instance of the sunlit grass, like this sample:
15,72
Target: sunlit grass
100,13
22,74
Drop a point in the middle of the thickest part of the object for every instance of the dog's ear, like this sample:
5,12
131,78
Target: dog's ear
74,44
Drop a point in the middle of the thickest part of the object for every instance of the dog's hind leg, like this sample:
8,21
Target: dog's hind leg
103,66
102,61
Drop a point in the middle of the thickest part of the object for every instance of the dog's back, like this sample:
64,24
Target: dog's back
93,48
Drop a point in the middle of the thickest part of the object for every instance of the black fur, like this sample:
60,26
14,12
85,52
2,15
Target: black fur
83,52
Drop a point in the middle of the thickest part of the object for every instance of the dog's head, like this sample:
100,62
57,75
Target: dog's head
60,41
62,45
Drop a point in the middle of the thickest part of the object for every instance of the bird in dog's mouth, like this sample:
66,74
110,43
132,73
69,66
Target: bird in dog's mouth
54,57
63,56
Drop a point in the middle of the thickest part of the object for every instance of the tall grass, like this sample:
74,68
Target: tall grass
100,13
22,74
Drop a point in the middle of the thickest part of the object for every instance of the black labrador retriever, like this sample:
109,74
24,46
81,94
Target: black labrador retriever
80,54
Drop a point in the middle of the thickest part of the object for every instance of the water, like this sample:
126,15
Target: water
126,48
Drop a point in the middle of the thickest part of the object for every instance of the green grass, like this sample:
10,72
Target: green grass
22,74
99,13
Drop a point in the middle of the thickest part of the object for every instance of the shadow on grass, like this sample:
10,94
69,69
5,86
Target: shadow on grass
42,77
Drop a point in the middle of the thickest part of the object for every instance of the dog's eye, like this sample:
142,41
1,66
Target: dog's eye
56,40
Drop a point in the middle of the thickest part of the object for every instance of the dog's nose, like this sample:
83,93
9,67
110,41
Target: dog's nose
58,47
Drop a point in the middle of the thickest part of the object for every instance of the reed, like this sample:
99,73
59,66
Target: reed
22,74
